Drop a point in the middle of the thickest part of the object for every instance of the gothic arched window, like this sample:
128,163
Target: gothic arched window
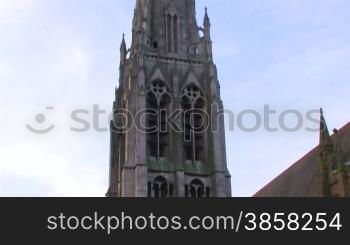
160,187
158,99
172,23
197,188
172,33
193,119
334,164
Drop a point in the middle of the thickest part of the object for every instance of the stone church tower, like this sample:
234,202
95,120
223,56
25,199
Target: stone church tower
168,71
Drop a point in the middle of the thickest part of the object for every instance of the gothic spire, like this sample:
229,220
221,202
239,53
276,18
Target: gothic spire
123,51
325,154
165,26
325,138
123,44
206,17
206,24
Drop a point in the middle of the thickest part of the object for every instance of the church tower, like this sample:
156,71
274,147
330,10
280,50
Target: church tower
167,134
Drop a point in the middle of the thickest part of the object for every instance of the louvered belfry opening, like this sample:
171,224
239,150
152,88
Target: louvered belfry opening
173,24
158,100
193,119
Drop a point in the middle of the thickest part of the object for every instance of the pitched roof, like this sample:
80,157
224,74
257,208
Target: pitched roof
302,178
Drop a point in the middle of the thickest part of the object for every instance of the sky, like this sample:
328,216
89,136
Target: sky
57,56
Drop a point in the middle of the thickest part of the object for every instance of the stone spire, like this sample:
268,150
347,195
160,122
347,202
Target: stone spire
123,51
325,138
165,26
325,154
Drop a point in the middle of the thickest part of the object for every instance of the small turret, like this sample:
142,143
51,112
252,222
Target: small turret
123,51
206,40
326,142
206,25
325,155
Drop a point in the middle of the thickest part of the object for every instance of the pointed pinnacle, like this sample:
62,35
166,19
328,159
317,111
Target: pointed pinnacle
123,44
206,17
325,138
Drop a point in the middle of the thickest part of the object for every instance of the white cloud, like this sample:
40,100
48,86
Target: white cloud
11,11
70,64
5,69
51,164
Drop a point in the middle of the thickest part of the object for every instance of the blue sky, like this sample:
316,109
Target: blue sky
290,54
